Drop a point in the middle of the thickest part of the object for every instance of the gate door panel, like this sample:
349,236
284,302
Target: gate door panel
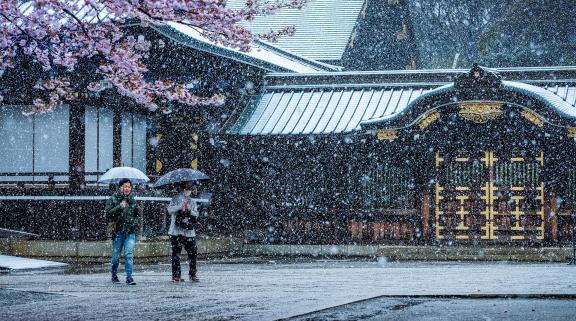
489,197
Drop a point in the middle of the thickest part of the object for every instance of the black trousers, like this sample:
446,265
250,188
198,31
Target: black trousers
189,244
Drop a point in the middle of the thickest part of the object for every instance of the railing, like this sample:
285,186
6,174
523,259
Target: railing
35,177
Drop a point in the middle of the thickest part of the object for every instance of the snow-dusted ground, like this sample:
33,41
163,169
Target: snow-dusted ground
20,263
266,291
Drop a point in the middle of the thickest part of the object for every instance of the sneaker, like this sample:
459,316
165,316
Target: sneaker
115,280
178,279
130,282
194,278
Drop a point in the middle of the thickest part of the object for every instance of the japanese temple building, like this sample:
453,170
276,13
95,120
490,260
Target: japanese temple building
302,152
412,156
50,162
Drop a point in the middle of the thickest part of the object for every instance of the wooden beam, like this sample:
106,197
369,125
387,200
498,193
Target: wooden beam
425,213
117,138
552,217
76,151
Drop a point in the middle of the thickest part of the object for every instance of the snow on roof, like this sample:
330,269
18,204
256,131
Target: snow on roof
323,27
294,104
564,105
86,13
263,55
260,55
322,110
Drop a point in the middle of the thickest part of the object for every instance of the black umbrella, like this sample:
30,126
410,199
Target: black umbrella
180,175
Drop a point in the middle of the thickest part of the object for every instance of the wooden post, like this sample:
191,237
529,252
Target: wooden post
552,217
142,218
76,151
425,212
117,139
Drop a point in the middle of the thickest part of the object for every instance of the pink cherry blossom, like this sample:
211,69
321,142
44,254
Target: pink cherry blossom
61,34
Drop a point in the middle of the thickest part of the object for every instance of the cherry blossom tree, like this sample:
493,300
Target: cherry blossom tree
60,35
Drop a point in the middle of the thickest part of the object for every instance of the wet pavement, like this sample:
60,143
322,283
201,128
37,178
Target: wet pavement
314,290
461,309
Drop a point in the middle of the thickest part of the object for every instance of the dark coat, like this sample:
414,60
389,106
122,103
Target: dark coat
127,220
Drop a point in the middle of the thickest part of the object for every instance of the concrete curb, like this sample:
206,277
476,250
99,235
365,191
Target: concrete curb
416,253
100,251
209,247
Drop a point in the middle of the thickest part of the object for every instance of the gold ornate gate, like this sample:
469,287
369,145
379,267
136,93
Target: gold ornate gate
488,196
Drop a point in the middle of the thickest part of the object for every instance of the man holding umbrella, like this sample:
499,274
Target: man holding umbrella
183,212
124,218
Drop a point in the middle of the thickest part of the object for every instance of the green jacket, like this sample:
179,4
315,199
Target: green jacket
127,219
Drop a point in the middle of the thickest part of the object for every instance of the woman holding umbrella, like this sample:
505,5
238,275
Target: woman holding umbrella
183,211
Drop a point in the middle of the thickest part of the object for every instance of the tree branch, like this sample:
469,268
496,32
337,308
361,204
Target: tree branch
77,20
149,14
19,28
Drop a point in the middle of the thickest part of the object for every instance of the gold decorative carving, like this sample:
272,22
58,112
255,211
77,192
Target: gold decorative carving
480,112
438,159
533,117
158,166
386,134
429,119
571,132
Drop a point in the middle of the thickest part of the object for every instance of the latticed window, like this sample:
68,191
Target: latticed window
388,186
570,192
525,174
464,174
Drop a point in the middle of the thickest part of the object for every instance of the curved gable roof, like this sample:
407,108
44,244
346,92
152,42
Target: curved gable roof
541,94
293,105
562,105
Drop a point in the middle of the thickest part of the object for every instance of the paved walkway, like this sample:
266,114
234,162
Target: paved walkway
266,291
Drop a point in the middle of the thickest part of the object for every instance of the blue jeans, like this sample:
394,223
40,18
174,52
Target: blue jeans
126,241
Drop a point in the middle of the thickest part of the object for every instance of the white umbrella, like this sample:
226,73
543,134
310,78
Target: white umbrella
115,174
